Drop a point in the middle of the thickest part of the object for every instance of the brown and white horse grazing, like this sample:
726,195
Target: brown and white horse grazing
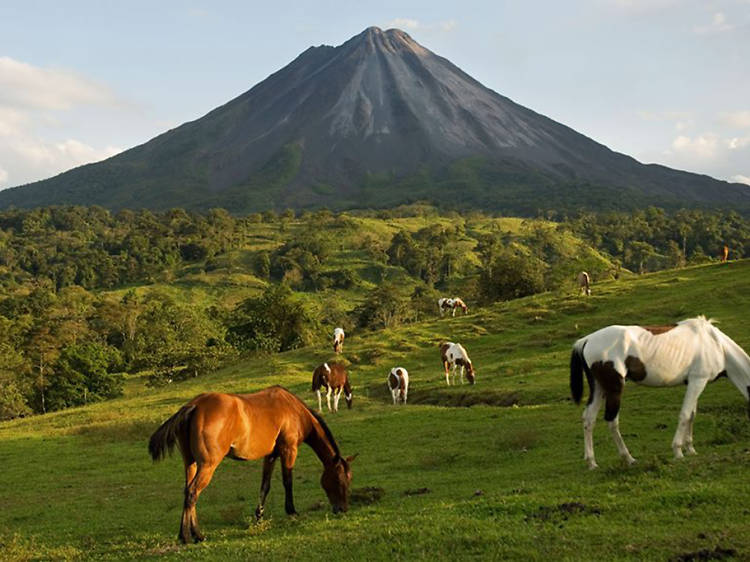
398,384
693,352
451,304
272,424
724,254
338,340
584,283
334,378
454,355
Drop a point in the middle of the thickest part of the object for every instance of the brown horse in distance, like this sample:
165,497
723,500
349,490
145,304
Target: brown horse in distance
334,378
271,424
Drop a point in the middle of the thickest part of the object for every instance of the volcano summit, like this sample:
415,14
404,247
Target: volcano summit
377,121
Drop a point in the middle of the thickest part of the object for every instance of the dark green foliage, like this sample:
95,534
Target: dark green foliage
511,276
84,373
652,239
275,321
384,307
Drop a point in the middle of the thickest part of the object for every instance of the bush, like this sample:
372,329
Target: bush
511,276
273,322
84,373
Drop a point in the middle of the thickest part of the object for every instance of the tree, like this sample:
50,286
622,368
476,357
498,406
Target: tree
511,276
384,307
84,373
275,321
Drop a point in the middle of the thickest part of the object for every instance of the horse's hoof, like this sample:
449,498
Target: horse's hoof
691,451
592,465
631,461
199,538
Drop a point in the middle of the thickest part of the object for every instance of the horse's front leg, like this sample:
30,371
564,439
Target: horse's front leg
684,434
447,368
336,398
288,456
614,427
265,485
328,398
320,402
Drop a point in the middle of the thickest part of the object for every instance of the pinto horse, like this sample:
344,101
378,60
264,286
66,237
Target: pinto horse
398,384
693,352
452,304
338,340
454,355
271,423
584,284
335,379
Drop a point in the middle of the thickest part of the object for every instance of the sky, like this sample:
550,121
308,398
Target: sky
664,81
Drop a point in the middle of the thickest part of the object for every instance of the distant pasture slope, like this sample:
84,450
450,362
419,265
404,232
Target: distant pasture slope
504,478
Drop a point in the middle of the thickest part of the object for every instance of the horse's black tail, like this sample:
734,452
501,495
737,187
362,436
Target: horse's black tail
164,438
577,368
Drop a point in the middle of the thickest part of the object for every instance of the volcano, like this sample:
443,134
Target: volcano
377,121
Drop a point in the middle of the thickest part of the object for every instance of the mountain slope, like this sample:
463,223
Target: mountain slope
342,126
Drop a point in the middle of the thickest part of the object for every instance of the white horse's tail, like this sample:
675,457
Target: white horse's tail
737,364
578,367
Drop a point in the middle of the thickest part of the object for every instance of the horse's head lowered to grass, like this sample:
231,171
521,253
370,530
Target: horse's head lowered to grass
336,480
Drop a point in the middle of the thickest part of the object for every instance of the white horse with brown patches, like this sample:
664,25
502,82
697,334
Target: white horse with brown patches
584,284
693,352
452,304
334,378
338,340
398,384
454,356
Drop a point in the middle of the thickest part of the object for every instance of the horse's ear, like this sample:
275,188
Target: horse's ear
350,459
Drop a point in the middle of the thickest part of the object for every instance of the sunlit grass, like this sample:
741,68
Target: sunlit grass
503,478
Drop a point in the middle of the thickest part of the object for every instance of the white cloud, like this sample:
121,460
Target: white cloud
718,24
35,105
24,85
737,143
738,119
739,178
411,24
702,146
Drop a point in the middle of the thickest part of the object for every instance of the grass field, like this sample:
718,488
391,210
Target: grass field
503,478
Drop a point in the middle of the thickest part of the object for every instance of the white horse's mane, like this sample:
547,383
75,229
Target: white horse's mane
700,319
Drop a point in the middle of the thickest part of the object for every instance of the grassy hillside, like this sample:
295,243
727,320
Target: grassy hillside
503,478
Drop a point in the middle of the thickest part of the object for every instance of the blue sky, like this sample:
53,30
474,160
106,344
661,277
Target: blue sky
665,81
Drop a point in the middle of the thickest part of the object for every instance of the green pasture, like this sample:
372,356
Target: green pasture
491,471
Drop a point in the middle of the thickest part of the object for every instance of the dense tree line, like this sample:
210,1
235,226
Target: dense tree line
652,239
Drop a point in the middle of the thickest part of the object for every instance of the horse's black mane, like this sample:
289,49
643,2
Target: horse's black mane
326,430
320,419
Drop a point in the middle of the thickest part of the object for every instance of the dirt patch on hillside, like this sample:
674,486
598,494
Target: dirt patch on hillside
562,512
717,553
367,495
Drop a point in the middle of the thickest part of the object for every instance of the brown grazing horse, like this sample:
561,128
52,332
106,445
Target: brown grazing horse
271,423
335,379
